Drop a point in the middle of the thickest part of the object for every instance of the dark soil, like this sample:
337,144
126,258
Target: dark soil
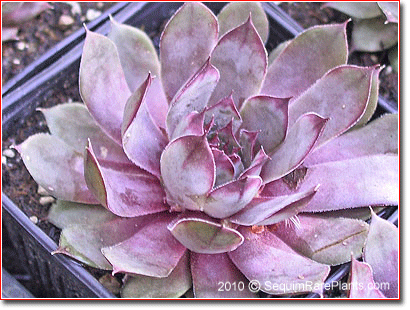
44,32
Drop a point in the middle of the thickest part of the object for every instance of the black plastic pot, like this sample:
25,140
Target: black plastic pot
56,276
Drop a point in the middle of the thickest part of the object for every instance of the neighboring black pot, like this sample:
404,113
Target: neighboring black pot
56,276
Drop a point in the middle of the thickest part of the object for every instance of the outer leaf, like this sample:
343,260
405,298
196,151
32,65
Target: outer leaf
103,86
84,242
72,123
232,197
267,115
142,140
361,10
210,273
277,50
364,181
390,10
381,252
18,14
137,53
193,96
187,171
201,235
378,137
186,44
239,56
361,281
298,144
123,188
236,13
57,167
304,61
173,286
373,35
152,251
340,95
328,241
277,268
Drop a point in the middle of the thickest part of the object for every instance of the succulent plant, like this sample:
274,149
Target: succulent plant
16,13
207,168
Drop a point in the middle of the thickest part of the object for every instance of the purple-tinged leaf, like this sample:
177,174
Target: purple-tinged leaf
358,182
261,208
57,167
340,95
247,141
9,33
103,86
186,43
152,251
237,163
137,53
124,189
277,268
210,270
235,14
299,142
157,103
329,241
187,171
223,112
173,286
190,125
230,198
72,123
303,61
202,235
360,10
227,139
256,165
225,170
361,284
277,50
378,137
84,242
268,116
142,140
374,35
239,56
390,10
65,213
381,252
193,96
15,15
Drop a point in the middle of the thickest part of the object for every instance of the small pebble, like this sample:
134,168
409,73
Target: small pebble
374,58
21,46
92,14
3,160
65,21
9,153
34,219
45,200
388,70
42,191
16,61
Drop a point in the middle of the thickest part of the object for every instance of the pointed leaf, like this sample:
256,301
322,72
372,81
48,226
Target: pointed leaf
223,112
304,61
72,123
227,140
142,140
340,95
103,86
65,213
173,286
328,241
373,35
381,252
225,170
230,198
269,116
123,189
298,144
235,14
152,251
137,53
361,281
247,140
193,96
187,171
209,271
186,43
239,56
276,267
261,208
358,182
360,10
204,236
57,167
256,166
378,137
390,10
190,125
